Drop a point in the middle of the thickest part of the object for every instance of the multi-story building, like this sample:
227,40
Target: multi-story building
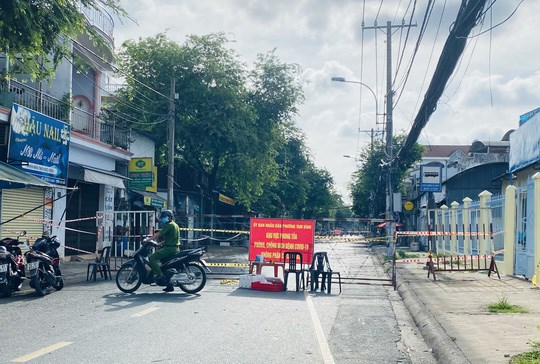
81,160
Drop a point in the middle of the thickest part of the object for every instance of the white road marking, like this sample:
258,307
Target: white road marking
145,312
38,353
323,344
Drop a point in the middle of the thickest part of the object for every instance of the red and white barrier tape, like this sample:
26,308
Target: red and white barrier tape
79,250
440,233
420,260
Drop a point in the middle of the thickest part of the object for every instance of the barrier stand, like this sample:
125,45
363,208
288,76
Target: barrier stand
453,264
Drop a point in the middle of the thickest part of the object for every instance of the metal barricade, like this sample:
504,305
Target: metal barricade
124,231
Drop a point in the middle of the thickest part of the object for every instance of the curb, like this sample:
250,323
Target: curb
444,348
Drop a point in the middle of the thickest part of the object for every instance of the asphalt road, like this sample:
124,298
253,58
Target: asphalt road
96,323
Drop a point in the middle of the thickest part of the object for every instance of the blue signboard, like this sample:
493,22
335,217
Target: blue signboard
430,178
39,145
525,145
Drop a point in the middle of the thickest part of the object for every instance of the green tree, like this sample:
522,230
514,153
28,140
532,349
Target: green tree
35,34
230,121
369,181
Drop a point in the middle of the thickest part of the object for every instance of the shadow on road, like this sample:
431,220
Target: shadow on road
281,295
120,301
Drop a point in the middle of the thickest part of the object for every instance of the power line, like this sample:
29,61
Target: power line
116,69
467,18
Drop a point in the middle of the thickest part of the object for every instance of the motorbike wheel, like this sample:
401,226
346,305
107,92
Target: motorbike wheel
5,290
128,279
200,278
39,286
59,284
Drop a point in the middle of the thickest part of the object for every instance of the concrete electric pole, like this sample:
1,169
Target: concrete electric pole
389,125
170,142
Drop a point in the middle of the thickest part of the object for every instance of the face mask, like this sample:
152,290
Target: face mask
165,220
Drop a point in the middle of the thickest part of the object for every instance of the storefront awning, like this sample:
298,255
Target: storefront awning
11,177
151,198
103,177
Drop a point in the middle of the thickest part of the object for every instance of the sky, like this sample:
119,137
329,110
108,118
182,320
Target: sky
496,80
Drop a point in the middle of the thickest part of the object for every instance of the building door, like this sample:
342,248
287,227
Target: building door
80,230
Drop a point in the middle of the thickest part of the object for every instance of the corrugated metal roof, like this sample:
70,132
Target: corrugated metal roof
443,151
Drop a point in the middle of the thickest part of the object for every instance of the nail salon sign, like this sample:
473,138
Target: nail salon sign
39,145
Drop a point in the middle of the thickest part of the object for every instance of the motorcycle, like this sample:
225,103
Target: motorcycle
11,265
43,265
184,270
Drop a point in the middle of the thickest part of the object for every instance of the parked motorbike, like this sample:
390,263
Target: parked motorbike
43,265
185,270
11,265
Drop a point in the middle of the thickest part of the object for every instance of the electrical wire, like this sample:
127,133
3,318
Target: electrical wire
131,106
405,43
116,69
502,22
430,56
423,27
123,116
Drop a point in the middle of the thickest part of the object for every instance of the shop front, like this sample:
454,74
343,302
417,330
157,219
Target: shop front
35,173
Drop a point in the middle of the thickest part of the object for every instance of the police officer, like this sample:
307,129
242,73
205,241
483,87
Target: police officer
170,234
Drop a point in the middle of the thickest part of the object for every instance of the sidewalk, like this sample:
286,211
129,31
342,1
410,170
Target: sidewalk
451,313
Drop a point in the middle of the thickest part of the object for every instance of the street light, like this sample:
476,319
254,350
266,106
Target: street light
342,79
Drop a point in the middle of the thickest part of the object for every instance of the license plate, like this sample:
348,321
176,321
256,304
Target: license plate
3,268
32,266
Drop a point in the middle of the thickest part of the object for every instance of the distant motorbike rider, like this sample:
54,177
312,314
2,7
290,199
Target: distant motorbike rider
170,234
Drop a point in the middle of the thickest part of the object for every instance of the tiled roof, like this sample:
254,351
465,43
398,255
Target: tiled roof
443,151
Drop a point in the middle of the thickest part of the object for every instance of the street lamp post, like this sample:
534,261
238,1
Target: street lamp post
342,79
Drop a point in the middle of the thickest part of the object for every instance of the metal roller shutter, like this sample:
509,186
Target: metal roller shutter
18,201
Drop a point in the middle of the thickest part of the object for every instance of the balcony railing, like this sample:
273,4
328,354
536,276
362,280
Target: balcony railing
100,19
91,125
39,101
82,121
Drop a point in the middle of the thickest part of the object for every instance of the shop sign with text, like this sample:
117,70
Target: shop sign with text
39,145
141,174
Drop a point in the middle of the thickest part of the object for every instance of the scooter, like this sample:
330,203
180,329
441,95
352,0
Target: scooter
11,265
43,265
185,269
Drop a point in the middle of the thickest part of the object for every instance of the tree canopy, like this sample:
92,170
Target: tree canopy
234,123
35,34
369,181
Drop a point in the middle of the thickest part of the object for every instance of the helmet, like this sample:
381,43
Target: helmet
41,244
3,251
166,213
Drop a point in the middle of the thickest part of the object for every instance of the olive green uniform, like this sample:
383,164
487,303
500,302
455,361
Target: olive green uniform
171,244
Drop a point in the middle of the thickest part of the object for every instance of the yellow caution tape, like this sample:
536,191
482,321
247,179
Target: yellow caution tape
229,281
216,230
227,264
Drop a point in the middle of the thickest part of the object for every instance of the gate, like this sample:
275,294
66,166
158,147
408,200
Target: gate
524,264
123,231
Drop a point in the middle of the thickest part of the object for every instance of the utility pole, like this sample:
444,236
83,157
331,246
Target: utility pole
170,142
371,132
389,125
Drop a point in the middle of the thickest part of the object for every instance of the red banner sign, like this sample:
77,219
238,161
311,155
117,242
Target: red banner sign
272,237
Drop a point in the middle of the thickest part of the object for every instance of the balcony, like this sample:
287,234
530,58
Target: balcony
87,123
92,126
100,56
100,20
